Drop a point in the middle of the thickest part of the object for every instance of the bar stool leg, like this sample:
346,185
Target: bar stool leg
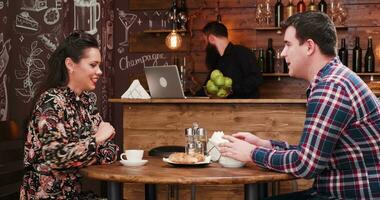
150,192
250,191
113,191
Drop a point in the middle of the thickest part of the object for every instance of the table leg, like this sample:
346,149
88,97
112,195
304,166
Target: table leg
150,192
193,192
114,191
263,190
250,191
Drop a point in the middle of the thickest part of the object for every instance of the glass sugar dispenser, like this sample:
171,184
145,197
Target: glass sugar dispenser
196,140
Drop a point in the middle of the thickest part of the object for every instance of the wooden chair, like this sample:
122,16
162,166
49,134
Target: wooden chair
11,160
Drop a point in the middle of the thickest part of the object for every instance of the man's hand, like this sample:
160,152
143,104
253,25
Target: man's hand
237,149
253,139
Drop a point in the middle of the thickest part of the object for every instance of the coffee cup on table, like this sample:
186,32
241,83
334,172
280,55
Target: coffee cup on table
132,155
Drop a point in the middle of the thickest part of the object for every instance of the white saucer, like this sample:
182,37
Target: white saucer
131,163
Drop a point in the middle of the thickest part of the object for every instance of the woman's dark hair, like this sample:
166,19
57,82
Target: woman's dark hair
316,26
72,47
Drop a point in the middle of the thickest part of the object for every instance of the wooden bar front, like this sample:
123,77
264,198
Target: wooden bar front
157,122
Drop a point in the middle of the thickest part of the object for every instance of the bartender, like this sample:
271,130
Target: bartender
234,61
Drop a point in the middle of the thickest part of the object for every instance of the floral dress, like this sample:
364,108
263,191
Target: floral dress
60,140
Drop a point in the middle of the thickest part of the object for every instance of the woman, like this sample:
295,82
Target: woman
65,131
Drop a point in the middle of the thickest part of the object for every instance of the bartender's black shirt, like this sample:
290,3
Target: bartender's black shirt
238,63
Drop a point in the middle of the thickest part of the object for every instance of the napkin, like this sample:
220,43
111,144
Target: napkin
217,138
135,91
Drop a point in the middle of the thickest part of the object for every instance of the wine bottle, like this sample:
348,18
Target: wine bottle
253,51
369,58
270,57
290,9
261,60
322,6
301,6
278,13
312,6
343,52
357,56
285,65
182,15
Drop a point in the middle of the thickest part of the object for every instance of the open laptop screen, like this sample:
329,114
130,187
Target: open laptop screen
164,82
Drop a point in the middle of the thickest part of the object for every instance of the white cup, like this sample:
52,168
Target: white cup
132,155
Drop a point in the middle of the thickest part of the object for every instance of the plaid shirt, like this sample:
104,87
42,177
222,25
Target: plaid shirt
340,144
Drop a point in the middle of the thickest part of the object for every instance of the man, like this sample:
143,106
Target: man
234,61
340,144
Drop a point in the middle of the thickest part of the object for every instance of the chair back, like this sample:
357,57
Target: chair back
165,151
11,160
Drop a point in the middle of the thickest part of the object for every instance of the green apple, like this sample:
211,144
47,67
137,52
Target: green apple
219,81
227,82
221,92
211,87
215,74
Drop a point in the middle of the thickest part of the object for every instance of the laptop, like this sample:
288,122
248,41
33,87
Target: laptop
164,82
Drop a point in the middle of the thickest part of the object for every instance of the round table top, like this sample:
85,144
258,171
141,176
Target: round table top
156,171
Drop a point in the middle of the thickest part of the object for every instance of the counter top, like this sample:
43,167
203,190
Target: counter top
207,101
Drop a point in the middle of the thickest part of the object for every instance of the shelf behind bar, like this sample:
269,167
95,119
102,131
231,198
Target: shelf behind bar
163,31
272,28
285,74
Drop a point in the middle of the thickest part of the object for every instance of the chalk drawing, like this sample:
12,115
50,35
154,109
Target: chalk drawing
30,73
4,59
34,5
25,21
51,16
49,41
86,14
125,63
127,19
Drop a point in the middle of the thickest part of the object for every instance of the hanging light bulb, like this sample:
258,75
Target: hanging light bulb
173,40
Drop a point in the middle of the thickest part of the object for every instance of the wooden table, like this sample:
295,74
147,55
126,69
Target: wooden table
150,123
158,172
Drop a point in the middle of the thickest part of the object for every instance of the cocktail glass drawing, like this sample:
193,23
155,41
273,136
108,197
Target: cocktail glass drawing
127,19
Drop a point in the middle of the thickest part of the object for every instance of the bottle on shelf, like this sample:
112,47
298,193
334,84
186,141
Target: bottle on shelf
301,6
289,10
182,16
357,56
285,65
312,6
270,56
343,52
322,6
278,63
369,58
261,60
278,13
253,50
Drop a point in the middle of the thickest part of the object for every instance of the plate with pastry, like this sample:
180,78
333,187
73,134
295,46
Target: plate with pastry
181,159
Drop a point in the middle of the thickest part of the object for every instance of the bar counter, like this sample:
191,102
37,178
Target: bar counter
157,122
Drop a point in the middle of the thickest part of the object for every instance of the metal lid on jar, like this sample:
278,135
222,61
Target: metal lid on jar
188,132
201,132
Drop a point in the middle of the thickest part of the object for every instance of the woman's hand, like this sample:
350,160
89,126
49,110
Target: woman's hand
253,139
105,132
237,149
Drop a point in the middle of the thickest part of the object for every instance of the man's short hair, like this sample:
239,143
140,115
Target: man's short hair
316,26
216,28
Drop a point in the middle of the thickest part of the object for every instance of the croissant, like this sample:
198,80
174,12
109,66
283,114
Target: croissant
183,158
